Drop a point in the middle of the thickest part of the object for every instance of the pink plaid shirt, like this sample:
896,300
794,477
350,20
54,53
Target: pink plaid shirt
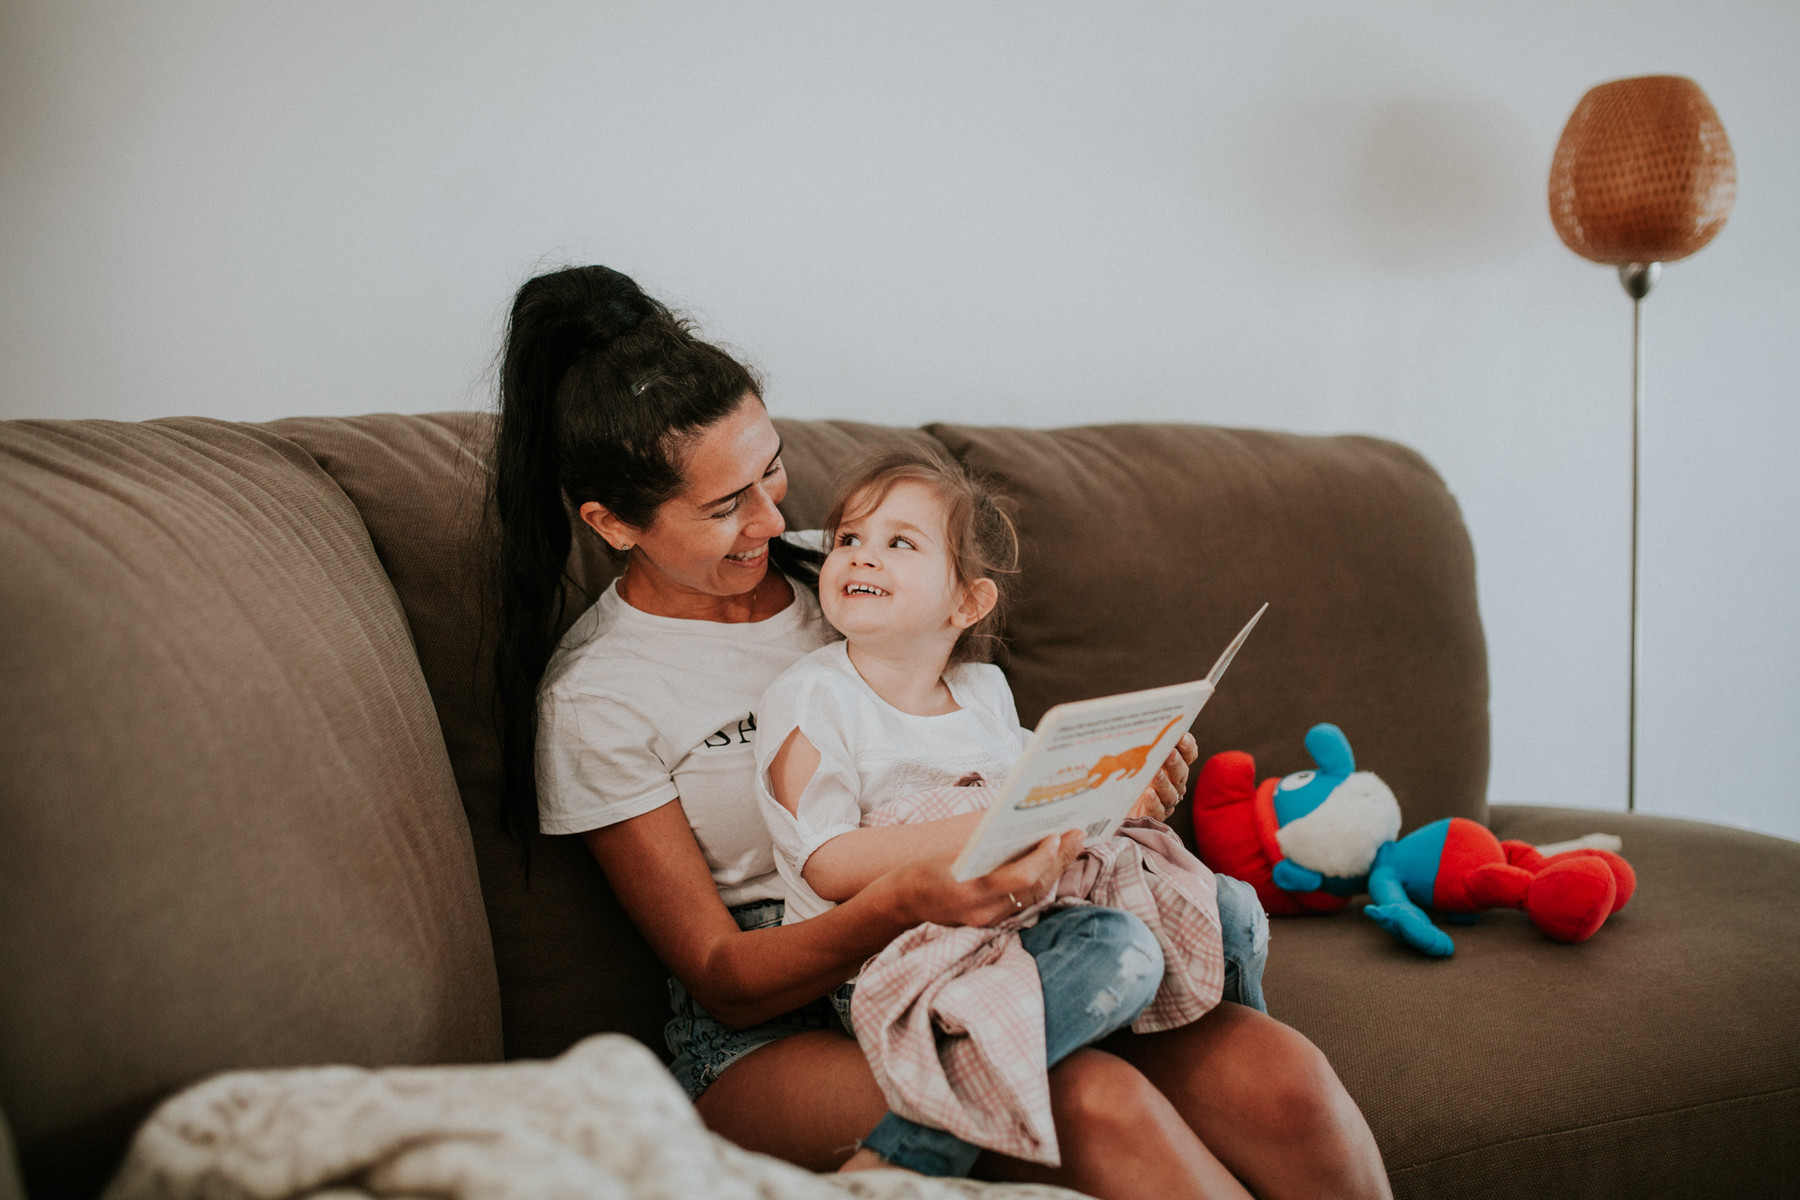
952,1018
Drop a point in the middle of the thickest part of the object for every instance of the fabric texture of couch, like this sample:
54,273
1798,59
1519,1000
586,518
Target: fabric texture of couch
248,809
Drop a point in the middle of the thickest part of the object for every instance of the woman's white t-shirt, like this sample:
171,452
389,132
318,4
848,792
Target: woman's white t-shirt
871,753
637,710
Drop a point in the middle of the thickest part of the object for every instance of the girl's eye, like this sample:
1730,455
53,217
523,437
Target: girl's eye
900,542
848,539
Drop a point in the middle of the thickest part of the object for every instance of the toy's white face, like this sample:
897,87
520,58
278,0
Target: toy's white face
888,578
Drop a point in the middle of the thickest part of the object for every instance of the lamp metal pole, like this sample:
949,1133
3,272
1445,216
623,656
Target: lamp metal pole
1638,279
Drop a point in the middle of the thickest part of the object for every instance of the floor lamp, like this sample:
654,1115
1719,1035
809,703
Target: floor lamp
1643,175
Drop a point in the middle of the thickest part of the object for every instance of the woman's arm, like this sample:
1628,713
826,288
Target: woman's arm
660,877
1166,790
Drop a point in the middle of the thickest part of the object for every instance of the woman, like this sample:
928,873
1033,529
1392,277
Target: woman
635,736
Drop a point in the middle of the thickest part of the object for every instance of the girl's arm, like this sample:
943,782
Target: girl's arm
661,879
850,862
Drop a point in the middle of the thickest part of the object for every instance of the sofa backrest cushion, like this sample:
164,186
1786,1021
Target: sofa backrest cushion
569,962
229,834
1146,547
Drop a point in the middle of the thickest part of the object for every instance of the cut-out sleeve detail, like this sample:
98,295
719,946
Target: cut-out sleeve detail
828,805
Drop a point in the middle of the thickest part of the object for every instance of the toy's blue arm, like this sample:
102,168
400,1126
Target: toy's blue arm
1290,876
1385,886
1395,912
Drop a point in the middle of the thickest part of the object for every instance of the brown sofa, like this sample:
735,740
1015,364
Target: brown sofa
248,796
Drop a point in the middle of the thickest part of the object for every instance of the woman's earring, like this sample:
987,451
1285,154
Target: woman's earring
624,547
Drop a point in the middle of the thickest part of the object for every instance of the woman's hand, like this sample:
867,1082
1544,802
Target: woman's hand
932,895
1166,790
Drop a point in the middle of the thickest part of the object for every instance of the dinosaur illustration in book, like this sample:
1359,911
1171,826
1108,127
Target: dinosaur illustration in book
1123,765
1128,763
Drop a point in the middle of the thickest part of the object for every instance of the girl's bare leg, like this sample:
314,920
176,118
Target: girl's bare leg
1265,1101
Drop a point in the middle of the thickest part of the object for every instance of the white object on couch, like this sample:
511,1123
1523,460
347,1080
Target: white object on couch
604,1121
1587,841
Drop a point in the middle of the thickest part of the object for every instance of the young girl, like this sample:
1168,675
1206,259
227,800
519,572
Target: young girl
851,735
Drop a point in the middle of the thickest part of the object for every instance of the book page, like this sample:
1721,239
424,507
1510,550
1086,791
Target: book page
1086,765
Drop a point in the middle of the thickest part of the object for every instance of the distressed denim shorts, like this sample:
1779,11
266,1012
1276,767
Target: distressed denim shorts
703,1048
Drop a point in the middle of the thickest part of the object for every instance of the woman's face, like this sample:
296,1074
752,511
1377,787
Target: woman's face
712,539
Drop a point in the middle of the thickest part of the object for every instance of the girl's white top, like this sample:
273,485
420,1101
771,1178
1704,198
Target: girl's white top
637,710
871,753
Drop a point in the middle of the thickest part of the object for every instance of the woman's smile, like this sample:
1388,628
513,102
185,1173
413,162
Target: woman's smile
749,558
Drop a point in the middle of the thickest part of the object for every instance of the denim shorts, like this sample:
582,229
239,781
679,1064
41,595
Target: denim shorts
703,1047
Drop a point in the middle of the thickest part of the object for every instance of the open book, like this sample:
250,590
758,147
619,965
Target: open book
1087,764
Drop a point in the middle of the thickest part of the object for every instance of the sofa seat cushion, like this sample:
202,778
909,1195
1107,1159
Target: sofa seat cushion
229,836
1660,1058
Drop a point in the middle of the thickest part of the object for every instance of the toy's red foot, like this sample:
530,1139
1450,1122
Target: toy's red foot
1571,897
1624,878
1519,854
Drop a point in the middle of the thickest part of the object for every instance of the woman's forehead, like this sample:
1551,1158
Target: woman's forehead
731,453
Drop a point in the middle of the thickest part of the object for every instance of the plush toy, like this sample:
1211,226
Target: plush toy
1311,841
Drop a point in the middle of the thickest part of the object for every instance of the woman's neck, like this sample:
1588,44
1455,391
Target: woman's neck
912,683
648,590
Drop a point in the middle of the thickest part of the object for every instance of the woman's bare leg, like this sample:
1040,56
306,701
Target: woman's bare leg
1265,1101
808,1099
1120,1138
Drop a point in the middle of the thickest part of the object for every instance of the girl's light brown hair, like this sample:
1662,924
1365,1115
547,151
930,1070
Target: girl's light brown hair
980,534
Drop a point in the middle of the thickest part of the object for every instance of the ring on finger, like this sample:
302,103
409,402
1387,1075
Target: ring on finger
1018,905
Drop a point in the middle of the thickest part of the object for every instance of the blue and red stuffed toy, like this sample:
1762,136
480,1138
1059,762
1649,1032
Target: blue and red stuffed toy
1312,841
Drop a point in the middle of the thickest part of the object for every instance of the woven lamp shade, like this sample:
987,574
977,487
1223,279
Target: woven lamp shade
1643,173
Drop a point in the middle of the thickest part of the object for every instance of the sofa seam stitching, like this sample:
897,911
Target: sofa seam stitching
1557,1133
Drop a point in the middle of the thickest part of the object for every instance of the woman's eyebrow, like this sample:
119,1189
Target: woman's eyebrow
729,496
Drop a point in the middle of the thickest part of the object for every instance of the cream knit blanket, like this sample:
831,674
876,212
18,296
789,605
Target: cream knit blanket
603,1122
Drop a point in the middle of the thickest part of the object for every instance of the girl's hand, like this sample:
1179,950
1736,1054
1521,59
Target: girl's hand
1165,791
932,895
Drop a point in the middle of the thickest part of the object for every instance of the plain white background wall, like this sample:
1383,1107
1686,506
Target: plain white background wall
1302,215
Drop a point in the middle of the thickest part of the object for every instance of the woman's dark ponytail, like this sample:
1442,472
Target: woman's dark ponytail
600,387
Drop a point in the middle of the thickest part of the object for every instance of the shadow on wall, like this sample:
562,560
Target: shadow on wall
1402,185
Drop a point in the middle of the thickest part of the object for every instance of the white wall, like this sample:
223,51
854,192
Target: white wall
1306,215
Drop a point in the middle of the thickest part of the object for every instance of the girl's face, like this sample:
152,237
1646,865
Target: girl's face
888,582
713,538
